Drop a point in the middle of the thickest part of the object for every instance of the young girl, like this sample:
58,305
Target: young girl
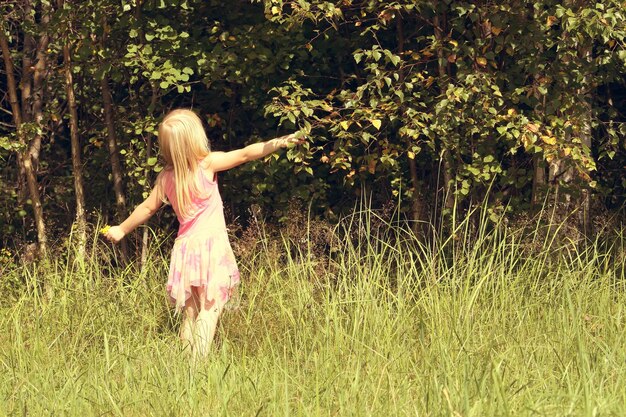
203,270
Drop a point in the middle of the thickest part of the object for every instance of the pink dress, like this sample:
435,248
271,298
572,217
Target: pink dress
202,256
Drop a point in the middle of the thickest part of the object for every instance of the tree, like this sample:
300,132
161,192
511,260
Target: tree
77,168
28,118
440,105
470,90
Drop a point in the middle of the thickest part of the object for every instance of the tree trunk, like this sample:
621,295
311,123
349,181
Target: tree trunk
77,167
33,190
585,139
585,205
145,238
25,90
40,70
539,180
23,155
539,165
31,84
27,66
439,23
116,165
417,205
560,173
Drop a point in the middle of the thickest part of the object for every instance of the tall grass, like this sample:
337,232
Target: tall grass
488,322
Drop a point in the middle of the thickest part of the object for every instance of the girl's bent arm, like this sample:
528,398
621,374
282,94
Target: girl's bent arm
221,161
140,215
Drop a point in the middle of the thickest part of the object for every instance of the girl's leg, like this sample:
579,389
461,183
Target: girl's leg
192,307
206,324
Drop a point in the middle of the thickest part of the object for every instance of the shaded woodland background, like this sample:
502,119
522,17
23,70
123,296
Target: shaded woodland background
438,106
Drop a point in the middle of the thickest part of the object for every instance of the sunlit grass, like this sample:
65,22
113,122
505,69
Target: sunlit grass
485,324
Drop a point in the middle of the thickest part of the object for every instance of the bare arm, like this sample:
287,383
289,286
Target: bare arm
140,215
221,161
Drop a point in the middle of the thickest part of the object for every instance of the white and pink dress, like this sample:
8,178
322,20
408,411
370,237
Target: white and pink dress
202,256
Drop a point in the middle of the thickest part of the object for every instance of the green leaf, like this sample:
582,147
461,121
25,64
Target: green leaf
393,58
465,187
473,170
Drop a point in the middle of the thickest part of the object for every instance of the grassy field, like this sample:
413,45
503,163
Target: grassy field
493,325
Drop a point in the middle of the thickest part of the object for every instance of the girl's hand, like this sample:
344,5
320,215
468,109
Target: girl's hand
290,139
115,234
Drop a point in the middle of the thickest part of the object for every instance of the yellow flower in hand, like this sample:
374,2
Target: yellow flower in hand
105,229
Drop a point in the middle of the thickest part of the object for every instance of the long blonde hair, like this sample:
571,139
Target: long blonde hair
184,144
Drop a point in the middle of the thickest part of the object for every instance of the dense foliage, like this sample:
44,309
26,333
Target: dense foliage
432,104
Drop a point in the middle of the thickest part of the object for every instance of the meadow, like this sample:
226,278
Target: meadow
489,322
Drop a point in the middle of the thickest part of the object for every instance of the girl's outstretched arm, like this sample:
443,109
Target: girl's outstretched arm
139,216
221,161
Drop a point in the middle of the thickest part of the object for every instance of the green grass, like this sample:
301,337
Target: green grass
494,325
